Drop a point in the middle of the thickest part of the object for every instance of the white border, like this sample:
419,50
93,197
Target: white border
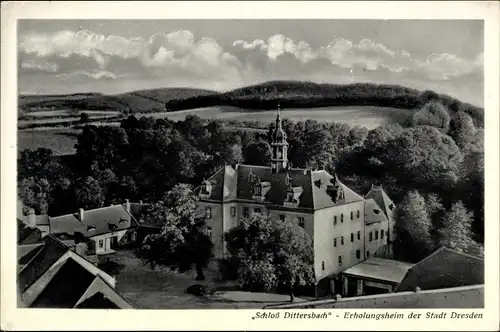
29,319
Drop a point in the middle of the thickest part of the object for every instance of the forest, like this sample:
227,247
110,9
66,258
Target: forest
432,168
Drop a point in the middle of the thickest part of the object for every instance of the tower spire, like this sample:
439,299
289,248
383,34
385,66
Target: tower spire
279,160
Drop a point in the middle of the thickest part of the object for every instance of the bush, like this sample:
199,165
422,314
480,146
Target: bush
228,268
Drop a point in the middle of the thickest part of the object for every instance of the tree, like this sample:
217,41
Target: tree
84,118
463,131
257,153
456,232
424,157
89,193
183,241
413,227
35,194
432,114
271,253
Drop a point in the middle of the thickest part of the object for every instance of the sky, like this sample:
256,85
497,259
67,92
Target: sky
115,56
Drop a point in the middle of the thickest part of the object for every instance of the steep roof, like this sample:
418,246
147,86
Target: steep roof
66,287
236,183
95,222
40,262
383,201
442,269
373,213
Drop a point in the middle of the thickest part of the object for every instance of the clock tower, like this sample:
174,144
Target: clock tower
279,146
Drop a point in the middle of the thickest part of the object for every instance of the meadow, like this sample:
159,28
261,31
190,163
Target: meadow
62,140
364,116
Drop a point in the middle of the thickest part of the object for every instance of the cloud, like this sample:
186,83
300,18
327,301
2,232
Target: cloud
39,65
179,57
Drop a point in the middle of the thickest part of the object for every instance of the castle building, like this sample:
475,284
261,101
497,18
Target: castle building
346,228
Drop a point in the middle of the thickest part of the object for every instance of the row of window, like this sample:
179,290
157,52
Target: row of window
358,235
358,256
358,215
370,235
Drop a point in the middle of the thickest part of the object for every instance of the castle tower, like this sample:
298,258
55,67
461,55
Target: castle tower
279,145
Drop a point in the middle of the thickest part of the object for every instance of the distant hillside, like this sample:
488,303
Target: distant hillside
296,94
135,102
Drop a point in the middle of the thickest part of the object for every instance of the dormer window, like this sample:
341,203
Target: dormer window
206,189
292,198
260,189
391,207
91,228
112,227
122,221
376,211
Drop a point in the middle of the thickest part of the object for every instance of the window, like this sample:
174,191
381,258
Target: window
342,240
323,265
352,237
381,233
114,242
367,254
257,190
301,222
246,212
101,243
335,242
359,235
282,217
334,220
341,217
370,237
257,210
233,211
340,260
209,231
208,211
357,214
352,215
358,254
376,234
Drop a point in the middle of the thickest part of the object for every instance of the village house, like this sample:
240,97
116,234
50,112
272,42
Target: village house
107,228
103,229
346,228
52,274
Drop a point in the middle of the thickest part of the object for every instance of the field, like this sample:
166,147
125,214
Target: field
62,140
365,116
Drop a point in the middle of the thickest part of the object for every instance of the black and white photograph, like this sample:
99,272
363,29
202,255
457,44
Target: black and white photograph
258,164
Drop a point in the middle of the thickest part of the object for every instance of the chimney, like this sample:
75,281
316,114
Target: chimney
81,213
417,290
31,218
127,205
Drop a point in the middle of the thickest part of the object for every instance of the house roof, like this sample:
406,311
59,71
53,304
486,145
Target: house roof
385,270
442,269
66,287
383,201
236,183
373,213
95,222
41,261
27,235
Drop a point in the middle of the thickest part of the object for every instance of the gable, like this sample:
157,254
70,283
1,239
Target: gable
443,269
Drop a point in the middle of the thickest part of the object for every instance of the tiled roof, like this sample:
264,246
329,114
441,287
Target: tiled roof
373,213
235,183
66,287
442,269
95,222
383,201
50,252
380,269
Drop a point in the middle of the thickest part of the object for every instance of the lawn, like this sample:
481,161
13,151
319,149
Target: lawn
164,289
